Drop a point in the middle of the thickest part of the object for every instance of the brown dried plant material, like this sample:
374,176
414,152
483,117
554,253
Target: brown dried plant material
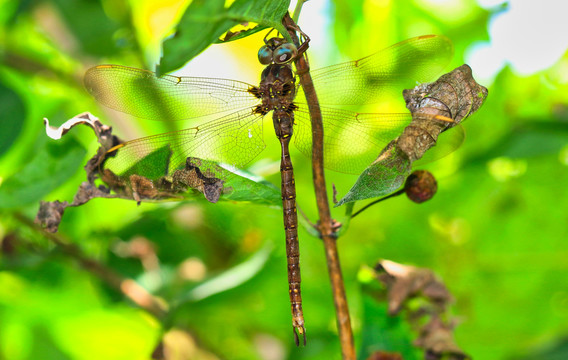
435,107
102,132
382,355
191,177
50,213
134,187
437,338
403,283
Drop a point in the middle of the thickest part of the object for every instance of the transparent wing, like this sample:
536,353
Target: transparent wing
386,72
448,142
142,94
233,140
352,141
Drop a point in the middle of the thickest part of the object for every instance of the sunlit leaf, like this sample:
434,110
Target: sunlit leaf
205,20
245,189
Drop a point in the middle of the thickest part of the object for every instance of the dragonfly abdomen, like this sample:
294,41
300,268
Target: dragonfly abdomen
277,92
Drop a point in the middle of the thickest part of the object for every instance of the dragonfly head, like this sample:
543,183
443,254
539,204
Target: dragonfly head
277,50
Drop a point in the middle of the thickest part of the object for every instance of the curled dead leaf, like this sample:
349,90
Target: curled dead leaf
403,283
435,108
133,186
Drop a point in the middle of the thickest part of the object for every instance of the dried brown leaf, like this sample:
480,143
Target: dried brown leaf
437,107
404,282
383,355
135,187
437,338
49,214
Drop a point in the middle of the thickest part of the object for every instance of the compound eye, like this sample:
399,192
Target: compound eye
265,55
284,53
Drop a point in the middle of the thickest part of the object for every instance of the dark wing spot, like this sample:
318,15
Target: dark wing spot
259,109
292,107
255,92
373,80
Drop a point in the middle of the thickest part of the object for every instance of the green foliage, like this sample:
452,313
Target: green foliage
37,323
380,178
96,43
52,165
382,332
14,115
245,189
152,166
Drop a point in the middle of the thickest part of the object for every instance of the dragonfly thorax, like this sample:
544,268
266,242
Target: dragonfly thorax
276,89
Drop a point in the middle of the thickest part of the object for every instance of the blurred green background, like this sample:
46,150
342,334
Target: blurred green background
495,232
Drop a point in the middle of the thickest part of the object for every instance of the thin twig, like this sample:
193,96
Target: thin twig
326,227
128,287
399,192
306,218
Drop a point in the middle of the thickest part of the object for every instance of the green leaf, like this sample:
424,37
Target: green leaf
205,20
381,178
382,332
245,189
47,170
153,165
109,36
236,186
13,113
240,34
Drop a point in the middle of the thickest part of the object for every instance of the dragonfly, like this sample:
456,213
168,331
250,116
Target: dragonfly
230,113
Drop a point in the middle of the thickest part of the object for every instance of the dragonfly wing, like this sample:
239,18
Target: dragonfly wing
233,140
352,140
448,141
142,94
386,72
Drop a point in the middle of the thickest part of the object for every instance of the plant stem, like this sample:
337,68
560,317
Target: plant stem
127,287
397,193
297,10
325,225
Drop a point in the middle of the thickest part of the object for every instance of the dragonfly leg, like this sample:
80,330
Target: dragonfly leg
305,38
266,36
299,330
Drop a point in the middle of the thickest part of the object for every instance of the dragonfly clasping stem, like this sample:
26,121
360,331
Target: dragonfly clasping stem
302,332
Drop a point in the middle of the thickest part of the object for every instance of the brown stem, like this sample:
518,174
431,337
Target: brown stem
128,287
325,226
399,192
